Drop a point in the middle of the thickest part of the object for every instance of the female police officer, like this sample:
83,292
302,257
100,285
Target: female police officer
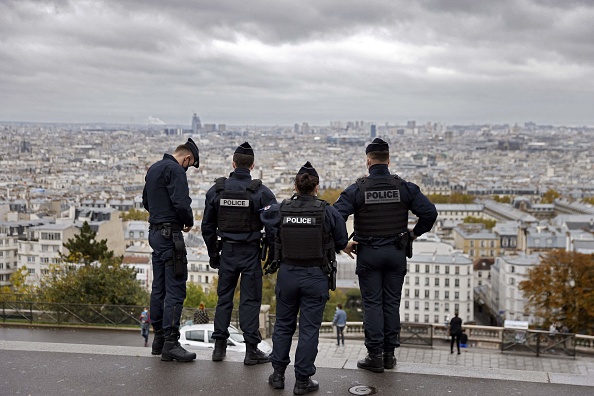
308,232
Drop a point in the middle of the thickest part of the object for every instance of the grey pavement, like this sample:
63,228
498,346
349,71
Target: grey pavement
35,367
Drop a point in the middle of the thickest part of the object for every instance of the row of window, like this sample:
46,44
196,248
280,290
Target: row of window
51,236
436,282
199,278
436,294
437,269
483,244
446,306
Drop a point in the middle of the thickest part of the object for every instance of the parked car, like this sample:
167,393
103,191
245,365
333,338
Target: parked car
200,336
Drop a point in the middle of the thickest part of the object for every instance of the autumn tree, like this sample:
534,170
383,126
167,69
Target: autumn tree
455,198
84,249
135,214
550,196
330,195
19,290
489,224
561,289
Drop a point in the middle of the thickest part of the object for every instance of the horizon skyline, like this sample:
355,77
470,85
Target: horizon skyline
266,64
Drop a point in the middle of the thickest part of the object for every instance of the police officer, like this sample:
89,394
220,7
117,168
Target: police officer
308,233
380,203
166,197
231,212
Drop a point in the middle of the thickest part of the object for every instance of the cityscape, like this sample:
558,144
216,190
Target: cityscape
57,176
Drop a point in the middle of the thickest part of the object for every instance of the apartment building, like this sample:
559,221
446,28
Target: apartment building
475,241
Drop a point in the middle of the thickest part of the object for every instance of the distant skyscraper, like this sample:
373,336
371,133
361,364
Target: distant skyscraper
373,131
296,128
196,124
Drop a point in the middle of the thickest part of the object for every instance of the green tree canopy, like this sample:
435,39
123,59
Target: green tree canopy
84,249
106,283
561,289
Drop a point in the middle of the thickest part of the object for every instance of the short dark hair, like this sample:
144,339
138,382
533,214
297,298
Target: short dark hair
339,306
306,183
379,156
183,148
243,160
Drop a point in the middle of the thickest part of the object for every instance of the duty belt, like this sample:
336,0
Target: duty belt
160,226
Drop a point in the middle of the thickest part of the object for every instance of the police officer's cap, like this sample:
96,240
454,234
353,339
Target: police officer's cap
195,152
377,145
309,169
244,148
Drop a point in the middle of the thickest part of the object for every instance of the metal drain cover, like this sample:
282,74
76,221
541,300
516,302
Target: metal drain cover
362,390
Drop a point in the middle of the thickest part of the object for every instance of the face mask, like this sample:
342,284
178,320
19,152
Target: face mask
185,167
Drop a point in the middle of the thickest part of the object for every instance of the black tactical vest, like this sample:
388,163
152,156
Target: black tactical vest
236,208
382,213
302,230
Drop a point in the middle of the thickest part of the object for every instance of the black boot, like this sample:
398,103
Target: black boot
277,379
306,386
389,360
158,341
172,350
220,351
254,356
374,361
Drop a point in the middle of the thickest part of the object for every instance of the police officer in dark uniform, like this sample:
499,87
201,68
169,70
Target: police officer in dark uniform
306,234
166,197
231,213
380,203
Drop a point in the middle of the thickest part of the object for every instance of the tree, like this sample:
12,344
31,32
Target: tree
561,289
330,195
550,196
84,249
108,282
135,214
455,198
489,224
19,290
502,199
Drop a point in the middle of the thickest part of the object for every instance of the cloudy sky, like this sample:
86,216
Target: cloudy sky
283,62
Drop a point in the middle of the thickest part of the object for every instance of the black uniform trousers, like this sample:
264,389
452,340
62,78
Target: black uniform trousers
168,291
303,291
239,259
381,271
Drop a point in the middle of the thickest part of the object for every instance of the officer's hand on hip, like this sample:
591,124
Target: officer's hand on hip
351,249
215,262
186,229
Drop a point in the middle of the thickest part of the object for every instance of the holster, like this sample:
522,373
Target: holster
180,261
264,248
404,241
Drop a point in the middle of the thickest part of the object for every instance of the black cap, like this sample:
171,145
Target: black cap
195,152
309,169
244,148
377,145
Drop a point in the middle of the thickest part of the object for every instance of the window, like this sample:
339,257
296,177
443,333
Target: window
416,305
406,317
206,279
456,282
471,243
447,269
471,253
191,278
416,280
457,270
31,271
199,278
480,282
436,281
406,304
468,285
426,293
480,274
436,307
200,268
417,318
446,307
416,292
447,282
416,267
437,269
427,306
131,234
142,234
195,335
406,293
436,319
447,295
426,318
456,295
512,281
406,282
426,269
436,293
44,260
457,307
426,281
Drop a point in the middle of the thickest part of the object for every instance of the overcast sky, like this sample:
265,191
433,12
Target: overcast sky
282,62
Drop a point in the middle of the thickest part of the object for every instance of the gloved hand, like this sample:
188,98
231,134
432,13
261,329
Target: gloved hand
215,262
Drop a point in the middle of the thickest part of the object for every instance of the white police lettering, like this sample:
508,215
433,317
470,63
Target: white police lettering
299,220
242,203
382,196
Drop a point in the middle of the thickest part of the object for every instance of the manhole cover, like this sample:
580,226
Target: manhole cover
362,390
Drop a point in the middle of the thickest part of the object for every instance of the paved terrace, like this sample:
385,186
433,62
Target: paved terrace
51,368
